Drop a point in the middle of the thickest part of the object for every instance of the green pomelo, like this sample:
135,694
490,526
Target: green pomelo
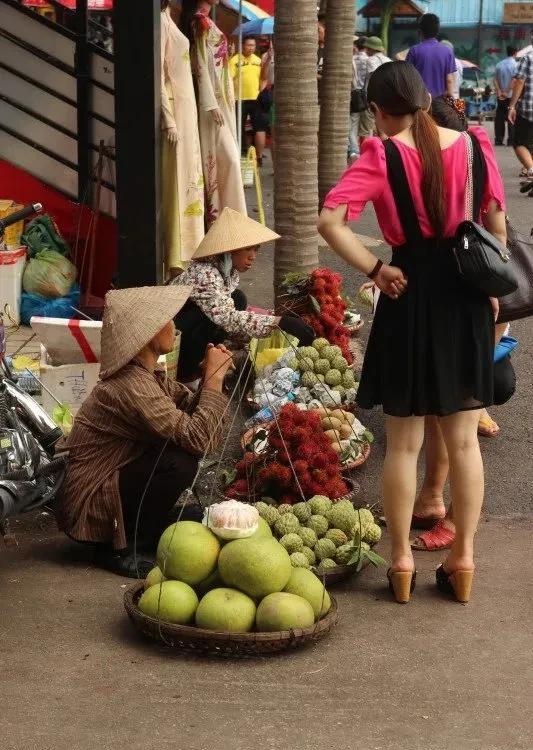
170,601
188,551
154,577
256,566
226,610
304,583
283,611
263,531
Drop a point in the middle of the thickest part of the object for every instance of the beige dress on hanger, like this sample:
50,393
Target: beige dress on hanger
182,175
220,152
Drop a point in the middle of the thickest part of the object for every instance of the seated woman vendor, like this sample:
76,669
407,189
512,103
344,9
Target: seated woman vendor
216,309
136,441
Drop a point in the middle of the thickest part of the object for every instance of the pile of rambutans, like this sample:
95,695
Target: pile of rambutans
325,286
301,461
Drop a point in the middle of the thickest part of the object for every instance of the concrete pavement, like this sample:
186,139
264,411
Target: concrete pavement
431,675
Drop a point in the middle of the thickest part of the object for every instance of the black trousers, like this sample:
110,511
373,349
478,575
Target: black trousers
197,331
500,120
504,381
174,473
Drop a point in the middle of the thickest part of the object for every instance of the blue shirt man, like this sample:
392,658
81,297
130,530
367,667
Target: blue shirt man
504,73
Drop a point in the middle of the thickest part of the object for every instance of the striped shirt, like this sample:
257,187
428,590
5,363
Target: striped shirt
125,415
524,73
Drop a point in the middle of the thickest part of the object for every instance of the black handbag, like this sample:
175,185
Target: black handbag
482,261
519,304
358,101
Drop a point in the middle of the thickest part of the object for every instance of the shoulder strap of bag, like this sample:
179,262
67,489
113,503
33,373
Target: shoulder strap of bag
402,193
477,169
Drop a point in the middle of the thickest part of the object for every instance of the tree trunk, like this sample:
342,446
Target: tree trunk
295,96
335,94
386,18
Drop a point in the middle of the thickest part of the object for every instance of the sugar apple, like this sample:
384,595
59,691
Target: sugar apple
337,536
330,352
324,548
333,377
286,524
292,542
308,552
340,389
319,524
326,564
299,560
320,505
348,379
322,366
308,351
268,513
319,344
302,511
284,508
306,364
342,517
365,516
293,364
372,534
339,363
308,536
309,379
344,553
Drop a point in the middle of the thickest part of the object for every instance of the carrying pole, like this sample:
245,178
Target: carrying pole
239,85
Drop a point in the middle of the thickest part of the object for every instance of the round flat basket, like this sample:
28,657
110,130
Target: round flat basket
196,640
340,573
358,461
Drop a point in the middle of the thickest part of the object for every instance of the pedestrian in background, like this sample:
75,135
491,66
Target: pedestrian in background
434,61
245,70
521,114
503,84
320,52
358,96
458,75
375,52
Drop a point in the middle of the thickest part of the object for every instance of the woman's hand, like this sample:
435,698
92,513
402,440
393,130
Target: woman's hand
391,281
172,135
495,306
218,360
218,117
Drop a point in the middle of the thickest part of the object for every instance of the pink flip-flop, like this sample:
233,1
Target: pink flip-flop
437,538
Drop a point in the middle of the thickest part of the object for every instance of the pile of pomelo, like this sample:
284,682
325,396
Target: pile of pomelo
237,587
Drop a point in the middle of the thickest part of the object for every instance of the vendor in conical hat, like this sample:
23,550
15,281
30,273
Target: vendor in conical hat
216,309
137,439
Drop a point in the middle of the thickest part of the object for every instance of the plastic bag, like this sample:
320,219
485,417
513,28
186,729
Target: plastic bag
278,341
42,234
49,274
34,304
231,519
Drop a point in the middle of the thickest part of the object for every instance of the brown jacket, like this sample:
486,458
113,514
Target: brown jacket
125,415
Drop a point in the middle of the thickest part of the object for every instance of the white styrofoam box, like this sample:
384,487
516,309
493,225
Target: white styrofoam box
12,263
70,384
69,342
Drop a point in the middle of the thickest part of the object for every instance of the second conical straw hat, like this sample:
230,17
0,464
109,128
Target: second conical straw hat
233,231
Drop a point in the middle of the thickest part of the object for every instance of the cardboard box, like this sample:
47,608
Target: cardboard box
70,384
69,341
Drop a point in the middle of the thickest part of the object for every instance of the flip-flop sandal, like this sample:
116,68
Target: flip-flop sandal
437,538
488,427
417,522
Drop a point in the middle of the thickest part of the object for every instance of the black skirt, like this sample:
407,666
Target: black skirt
431,351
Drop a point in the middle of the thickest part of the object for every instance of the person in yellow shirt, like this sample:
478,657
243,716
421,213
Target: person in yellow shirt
248,65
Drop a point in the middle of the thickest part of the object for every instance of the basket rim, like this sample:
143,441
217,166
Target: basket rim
190,632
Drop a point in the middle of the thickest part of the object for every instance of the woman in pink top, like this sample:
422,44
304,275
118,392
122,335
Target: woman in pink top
430,351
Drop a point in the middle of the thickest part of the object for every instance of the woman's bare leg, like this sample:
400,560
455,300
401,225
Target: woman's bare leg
467,485
405,436
430,501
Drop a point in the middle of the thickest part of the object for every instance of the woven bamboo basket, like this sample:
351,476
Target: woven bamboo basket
340,573
253,497
358,461
207,642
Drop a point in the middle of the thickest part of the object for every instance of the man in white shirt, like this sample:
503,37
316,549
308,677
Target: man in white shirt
359,75
376,57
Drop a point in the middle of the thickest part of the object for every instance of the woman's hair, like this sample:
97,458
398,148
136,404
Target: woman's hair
188,10
164,4
446,113
398,90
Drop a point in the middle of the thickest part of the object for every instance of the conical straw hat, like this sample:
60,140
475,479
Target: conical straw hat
233,231
132,317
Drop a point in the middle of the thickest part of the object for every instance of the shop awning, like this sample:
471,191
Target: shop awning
404,8
101,5
250,11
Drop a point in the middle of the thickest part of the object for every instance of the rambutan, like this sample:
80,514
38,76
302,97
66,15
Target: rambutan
320,476
300,467
320,461
289,498
241,487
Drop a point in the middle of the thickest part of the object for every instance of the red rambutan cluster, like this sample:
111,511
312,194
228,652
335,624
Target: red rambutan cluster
325,287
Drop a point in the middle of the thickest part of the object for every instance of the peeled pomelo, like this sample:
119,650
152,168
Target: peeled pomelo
154,577
226,610
187,551
170,601
306,584
283,611
255,566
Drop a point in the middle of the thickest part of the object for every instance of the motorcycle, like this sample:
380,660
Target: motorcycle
30,472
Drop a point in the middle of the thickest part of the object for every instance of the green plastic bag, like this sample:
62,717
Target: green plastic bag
266,351
49,274
42,234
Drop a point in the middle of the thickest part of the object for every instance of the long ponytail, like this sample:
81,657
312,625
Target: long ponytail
188,11
427,142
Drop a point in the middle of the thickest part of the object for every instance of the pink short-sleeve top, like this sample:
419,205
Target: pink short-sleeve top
366,180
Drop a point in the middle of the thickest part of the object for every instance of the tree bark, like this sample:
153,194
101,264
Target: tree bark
296,107
335,94
386,18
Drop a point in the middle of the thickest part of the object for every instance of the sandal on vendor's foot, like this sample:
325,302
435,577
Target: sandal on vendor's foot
487,427
124,563
401,584
458,583
417,522
438,537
